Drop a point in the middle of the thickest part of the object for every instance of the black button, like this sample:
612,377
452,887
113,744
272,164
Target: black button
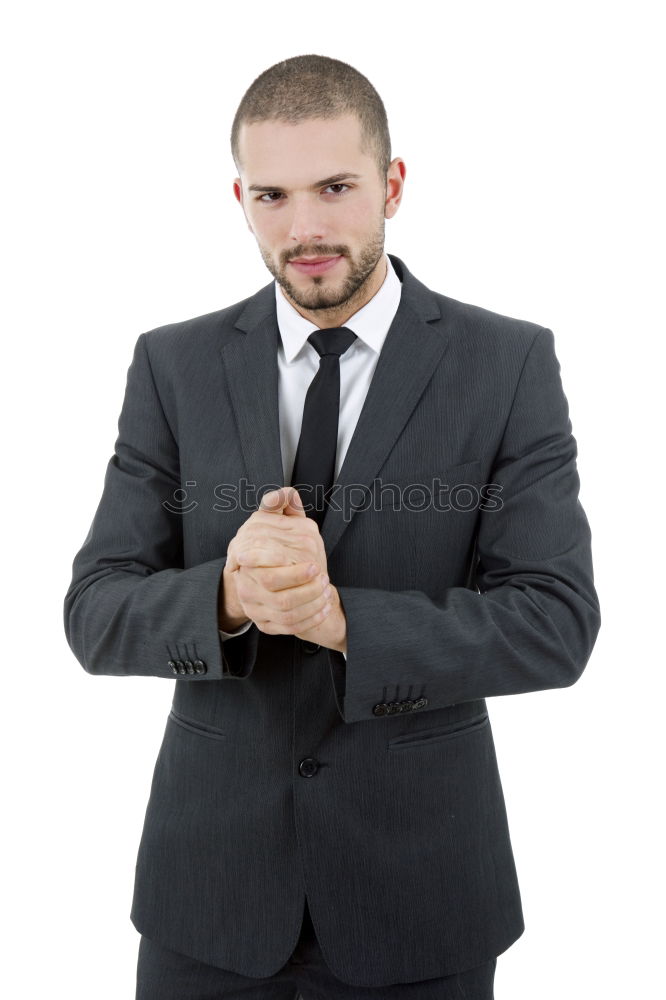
420,702
189,666
200,667
181,667
380,708
310,647
174,668
308,766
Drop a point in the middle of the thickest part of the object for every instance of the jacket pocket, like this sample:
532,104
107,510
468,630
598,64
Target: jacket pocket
447,731
194,726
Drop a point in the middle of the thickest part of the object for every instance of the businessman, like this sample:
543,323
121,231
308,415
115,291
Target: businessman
340,514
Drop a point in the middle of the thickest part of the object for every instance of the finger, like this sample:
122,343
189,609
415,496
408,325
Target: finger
298,599
277,628
294,506
274,501
268,517
268,521
282,577
251,591
267,555
269,532
287,605
268,552
231,563
298,609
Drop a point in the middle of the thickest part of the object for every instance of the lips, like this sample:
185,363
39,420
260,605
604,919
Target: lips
317,267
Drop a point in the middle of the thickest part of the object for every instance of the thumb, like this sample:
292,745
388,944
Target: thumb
294,507
274,501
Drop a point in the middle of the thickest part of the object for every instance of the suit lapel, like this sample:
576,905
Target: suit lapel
251,368
411,352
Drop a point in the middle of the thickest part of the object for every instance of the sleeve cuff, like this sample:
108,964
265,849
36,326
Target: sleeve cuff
238,631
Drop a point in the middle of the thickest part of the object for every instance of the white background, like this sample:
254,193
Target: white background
532,138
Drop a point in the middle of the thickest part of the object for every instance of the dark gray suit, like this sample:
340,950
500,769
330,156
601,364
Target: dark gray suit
370,785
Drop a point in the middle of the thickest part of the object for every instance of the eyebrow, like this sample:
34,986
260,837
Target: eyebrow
335,179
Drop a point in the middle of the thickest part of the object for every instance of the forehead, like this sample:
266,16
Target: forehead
274,152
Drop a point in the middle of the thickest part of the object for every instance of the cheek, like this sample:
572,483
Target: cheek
360,215
265,226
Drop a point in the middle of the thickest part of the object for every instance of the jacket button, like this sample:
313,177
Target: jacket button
310,647
380,708
420,702
200,667
189,666
181,667
308,766
174,666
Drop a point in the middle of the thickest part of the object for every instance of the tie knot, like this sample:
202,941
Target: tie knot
332,340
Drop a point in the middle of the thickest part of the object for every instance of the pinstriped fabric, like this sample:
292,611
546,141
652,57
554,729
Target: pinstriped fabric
371,786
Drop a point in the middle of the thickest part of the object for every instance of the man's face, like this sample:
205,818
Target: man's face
297,216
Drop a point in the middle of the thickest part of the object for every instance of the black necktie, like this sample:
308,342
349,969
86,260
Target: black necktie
314,465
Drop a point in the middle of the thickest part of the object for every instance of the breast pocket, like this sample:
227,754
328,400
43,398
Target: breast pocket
431,489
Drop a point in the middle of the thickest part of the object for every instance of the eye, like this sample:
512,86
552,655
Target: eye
272,201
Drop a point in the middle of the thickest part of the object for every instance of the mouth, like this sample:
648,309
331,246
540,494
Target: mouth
315,265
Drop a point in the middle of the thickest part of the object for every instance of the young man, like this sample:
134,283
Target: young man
326,813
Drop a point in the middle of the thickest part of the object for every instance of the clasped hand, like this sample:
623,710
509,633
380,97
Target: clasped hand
276,574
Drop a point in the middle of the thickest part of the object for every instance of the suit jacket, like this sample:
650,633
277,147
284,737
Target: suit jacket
370,785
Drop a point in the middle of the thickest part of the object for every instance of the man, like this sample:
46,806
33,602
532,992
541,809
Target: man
326,813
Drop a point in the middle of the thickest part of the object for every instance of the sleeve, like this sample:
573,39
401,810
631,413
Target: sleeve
532,619
238,631
131,607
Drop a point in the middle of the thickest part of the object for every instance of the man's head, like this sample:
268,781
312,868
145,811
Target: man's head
302,131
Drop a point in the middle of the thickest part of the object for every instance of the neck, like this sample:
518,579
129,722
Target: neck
338,315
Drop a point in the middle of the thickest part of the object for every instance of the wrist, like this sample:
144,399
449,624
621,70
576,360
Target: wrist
340,625
230,614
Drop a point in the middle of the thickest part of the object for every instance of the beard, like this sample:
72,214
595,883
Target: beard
320,292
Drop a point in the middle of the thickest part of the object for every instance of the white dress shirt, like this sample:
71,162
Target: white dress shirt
298,363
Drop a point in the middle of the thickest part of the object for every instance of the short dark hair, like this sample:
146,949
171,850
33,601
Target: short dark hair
312,86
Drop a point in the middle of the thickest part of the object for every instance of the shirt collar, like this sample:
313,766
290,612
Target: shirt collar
370,324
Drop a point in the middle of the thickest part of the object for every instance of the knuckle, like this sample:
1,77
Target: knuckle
282,603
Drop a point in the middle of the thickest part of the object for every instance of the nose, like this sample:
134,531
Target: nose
306,226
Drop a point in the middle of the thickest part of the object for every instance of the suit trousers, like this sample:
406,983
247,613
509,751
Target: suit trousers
163,974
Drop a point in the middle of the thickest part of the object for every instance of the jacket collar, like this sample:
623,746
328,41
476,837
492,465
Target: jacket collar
370,323
411,351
